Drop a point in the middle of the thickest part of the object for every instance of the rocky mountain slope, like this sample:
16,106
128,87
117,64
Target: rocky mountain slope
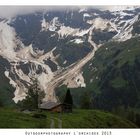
55,45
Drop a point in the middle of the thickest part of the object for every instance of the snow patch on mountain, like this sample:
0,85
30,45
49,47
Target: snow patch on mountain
81,33
26,53
54,24
101,24
48,55
77,41
19,93
86,15
83,10
122,13
44,25
19,90
51,26
66,30
20,73
126,31
80,80
6,73
43,80
46,68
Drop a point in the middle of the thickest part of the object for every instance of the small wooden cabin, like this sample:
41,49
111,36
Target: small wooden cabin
56,107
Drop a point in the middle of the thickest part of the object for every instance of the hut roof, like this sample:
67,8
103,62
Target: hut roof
49,105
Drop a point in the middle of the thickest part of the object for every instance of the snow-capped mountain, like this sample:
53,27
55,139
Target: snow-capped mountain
54,45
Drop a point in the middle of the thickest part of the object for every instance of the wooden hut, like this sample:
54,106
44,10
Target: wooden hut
56,107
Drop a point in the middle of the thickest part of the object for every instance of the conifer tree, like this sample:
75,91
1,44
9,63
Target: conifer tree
68,98
34,96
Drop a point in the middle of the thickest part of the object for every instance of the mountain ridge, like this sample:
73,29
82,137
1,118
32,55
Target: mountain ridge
36,38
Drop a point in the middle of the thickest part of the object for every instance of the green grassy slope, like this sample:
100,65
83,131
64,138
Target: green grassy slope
11,118
94,119
78,119
112,54
112,77
115,74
